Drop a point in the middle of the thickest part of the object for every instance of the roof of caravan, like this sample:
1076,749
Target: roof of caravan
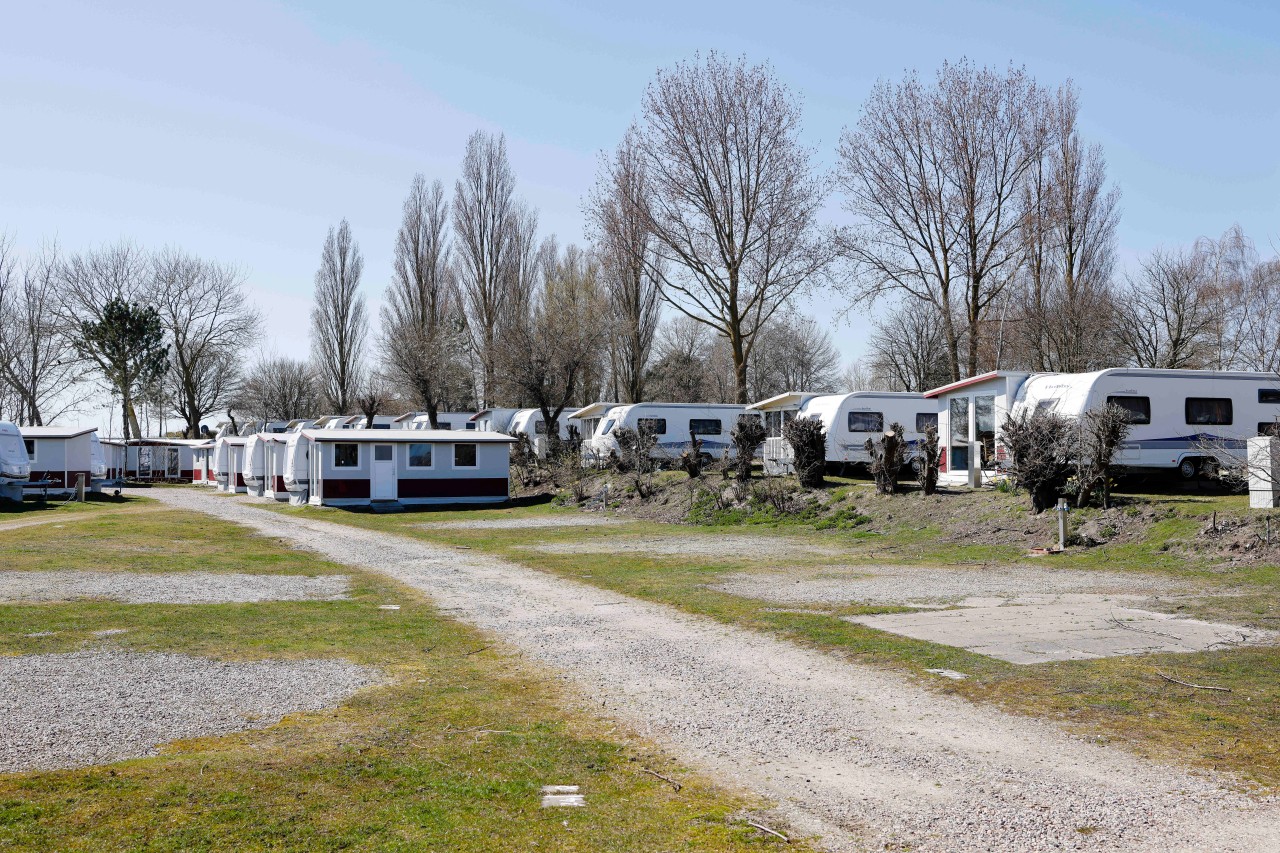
799,398
1165,373
179,442
975,380
418,436
54,431
592,410
660,405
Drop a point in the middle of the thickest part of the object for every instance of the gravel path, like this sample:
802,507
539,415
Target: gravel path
95,707
177,588
932,585
862,757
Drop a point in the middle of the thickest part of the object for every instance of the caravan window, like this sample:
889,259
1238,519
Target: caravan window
608,427
704,426
1209,411
926,421
469,425
1269,395
654,426
464,456
866,422
1046,405
419,455
1138,408
30,444
346,456
1272,428
540,427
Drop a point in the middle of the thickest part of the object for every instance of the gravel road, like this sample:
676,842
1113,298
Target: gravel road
863,758
95,707
177,588
576,519
695,545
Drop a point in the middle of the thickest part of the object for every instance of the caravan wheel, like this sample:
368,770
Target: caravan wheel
915,465
1189,468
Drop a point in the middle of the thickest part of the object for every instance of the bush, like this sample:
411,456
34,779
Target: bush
1040,449
1099,435
888,455
808,442
927,457
747,437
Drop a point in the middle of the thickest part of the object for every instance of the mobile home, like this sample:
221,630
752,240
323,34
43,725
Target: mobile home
61,456
171,459
360,467
673,426
114,455
591,417
849,420
1183,420
971,415
15,466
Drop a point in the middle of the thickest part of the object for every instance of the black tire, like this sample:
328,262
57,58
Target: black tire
1189,468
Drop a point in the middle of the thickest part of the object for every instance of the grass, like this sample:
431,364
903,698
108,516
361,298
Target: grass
1121,700
448,756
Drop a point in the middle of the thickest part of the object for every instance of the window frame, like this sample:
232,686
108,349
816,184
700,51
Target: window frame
337,445
1271,428
431,455
31,452
475,454
717,421
378,447
932,422
879,416
640,422
1132,420
1269,396
1215,401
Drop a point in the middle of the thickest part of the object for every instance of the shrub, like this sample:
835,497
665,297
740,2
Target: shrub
747,437
887,458
927,457
1099,435
1041,454
808,442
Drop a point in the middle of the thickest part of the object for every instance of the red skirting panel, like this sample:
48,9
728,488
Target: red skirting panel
470,487
336,490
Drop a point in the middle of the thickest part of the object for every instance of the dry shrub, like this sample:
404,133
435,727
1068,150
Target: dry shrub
888,455
808,442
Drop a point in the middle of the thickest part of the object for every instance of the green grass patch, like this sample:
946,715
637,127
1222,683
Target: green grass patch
449,756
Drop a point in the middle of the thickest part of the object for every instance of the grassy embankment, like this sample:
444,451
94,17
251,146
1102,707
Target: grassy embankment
449,756
1116,699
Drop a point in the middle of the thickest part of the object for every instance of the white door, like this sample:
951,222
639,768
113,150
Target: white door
384,473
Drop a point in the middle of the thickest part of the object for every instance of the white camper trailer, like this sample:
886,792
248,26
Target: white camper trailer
444,420
849,420
1183,420
15,466
673,426
526,422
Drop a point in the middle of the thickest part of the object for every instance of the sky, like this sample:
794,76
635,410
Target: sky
242,131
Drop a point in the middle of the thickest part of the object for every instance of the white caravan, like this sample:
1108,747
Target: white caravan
526,422
15,466
445,420
1184,420
849,420
673,425
253,464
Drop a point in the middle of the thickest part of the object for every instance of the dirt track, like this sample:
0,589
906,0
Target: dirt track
858,756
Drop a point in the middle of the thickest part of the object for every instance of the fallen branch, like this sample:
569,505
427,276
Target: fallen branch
772,832
476,652
1189,684
672,782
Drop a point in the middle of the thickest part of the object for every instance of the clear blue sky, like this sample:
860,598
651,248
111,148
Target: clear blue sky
243,130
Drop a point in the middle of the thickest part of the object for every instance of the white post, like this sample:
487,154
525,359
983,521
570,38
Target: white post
1264,472
1062,509
975,450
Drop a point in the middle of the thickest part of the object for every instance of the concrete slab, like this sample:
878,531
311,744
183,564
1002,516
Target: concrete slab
1080,629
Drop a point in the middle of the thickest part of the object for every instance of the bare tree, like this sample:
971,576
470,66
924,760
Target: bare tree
278,388
1068,231
339,326
545,360
494,236
38,362
1164,319
423,329
731,197
794,353
935,176
679,370
207,316
630,266
908,349
103,291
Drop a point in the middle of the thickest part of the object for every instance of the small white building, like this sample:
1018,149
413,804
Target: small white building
591,417
359,467
162,459
61,456
971,414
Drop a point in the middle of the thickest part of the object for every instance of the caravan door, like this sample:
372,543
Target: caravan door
383,474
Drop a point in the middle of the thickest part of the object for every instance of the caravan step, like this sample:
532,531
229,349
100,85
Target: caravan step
386,506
